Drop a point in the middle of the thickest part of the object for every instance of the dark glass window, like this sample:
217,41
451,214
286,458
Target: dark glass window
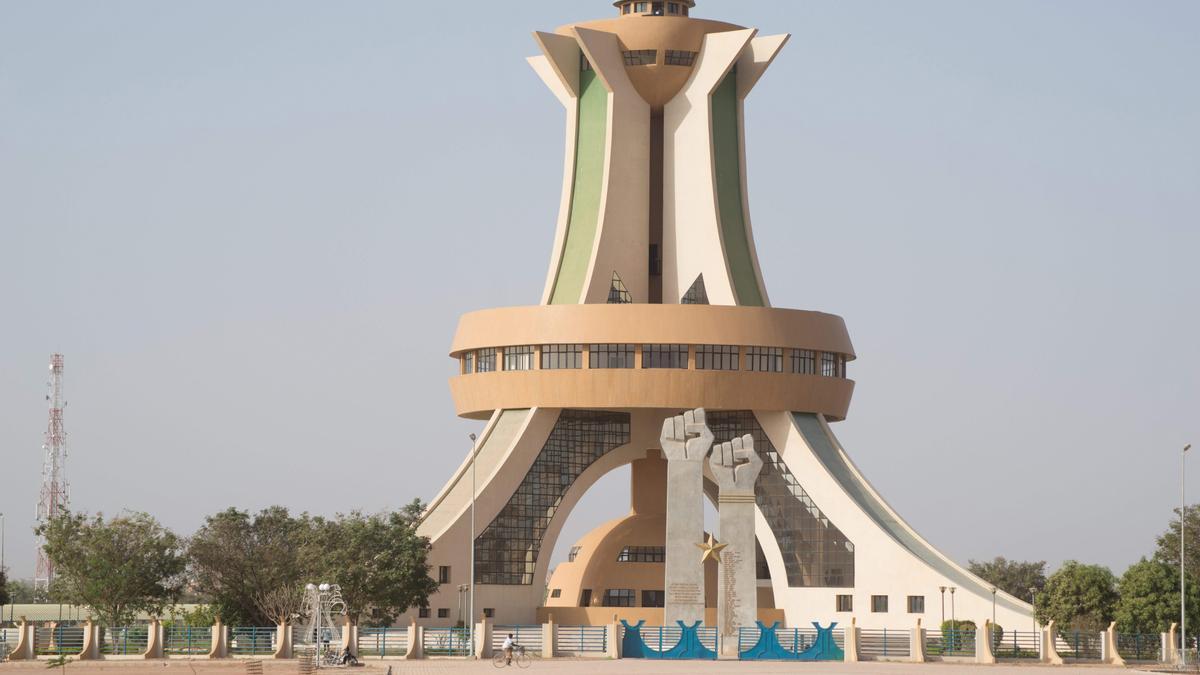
574,552
443,574
585,598
916,604
468,363
653,598
443,612
641,57
829,364
617,293
804,362
584,64
672,8
764,359
507,550
640,7
556,593
657,8
716,357
664,356
879,603
611,356
422,613
845,603
696,295
678,58
650,554
815,552
559,357
518,358
485,360
618,597
625,8
489,612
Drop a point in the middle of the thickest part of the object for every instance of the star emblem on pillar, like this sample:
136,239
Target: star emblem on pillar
711,549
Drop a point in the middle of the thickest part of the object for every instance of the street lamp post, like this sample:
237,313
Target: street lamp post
471,581
943,590
1183,555
953,620
1033,601
993,605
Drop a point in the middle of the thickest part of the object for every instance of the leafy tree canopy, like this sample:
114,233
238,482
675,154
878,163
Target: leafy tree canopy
21,591
1168,542
1015,577
5,597
378,560
118,567
237,559
1078,596
1149,601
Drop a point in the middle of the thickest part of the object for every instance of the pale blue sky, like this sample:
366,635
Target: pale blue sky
251,227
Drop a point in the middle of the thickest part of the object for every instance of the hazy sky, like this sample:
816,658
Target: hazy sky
251,226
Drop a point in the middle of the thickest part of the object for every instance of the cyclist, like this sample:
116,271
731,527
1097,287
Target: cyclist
507,648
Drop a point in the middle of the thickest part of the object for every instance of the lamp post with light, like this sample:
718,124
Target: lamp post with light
1183,556
471,581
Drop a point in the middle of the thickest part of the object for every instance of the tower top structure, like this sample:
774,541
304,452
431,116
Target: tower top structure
54,497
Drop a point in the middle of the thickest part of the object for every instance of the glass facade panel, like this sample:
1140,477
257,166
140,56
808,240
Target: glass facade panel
468,363
641,57
764,359
879,603
506,552
611,356
518,358
650,554
664,356
559,357
845,603
654,598
916,604
696,295
617,293
717,357
815,552
485,360
678,58
618,597
829,364
803,362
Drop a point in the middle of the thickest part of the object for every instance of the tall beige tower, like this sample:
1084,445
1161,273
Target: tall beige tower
654,303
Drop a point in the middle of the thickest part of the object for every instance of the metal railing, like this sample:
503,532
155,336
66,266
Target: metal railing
884,643
446,642
1015,644
1078,645
63,639
795,640
528,636
382,642
252,640
950,642
1139,646
124,640
585,639
187,640
8,641
664,638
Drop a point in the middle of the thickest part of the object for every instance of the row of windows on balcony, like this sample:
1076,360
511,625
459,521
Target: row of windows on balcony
700,357
655,8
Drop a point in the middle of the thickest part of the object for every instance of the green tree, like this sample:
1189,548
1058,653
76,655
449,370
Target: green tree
237,560
1015,577
118,567
23,592
5,597
379,561
1078,596
1149,600
1168,542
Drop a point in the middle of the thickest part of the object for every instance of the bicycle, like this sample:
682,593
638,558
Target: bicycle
519,657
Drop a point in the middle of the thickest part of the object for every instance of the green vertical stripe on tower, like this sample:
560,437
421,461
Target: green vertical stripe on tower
592,125
727,160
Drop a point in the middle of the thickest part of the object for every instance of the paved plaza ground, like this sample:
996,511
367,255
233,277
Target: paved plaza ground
564,666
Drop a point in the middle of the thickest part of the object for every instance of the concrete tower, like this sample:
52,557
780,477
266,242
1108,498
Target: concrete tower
654,304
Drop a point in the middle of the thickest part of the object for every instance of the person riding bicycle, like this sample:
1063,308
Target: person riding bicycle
507,648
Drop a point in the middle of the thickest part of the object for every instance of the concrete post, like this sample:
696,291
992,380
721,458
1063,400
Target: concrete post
53,637
1108,646
916,644
548,638
154,640
735,466
350,636
1171,653
220,641
984,653
612,640
283,641
851,641
483,638
1049,648
24,649
686,440
90,650
415,641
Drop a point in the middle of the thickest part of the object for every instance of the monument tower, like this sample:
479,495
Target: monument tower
654,306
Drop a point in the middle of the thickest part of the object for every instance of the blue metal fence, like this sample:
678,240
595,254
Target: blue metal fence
528,636
884,643
124,640
252,640
187,640
581,640
1139,646
446,642
382,642
1015,644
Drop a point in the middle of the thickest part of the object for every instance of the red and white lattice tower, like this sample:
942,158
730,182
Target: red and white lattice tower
54,496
